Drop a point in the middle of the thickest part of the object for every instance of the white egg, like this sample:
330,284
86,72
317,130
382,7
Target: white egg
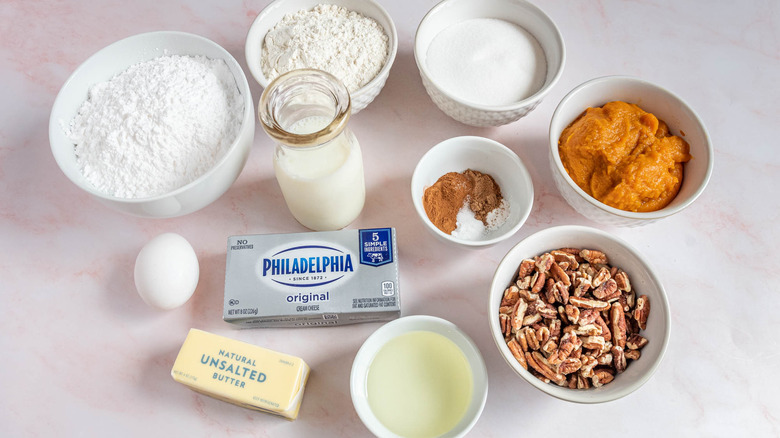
166,271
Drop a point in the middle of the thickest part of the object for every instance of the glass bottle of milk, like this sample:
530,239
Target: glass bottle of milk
317,160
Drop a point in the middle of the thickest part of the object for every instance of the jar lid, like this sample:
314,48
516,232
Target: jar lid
299,93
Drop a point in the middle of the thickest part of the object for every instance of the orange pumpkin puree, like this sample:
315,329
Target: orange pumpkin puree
624,157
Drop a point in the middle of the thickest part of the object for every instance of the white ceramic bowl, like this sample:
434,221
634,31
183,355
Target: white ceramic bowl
484,155
522,13
652,98
115,59
392,330
643,280
276,10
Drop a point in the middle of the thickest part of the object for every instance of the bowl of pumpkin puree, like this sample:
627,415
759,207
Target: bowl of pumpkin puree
626,152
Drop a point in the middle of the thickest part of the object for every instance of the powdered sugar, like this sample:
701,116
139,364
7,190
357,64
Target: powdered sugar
341,42
157,126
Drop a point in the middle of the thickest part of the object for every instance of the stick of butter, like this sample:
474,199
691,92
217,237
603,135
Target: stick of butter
241,373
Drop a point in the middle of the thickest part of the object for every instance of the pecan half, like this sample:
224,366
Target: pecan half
618,325
618,359
636,342
593,256
601,377
525,268
517,352
642,311
589,304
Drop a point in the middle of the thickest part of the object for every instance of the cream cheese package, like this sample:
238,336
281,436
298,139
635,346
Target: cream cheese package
240,373
312,279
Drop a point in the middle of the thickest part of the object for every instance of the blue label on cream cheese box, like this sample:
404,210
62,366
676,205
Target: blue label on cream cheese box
312,279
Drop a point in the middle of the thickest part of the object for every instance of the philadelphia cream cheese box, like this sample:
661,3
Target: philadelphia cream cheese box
312,279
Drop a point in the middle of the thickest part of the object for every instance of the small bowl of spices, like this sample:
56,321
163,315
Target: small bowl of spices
472,191
354,40
488,63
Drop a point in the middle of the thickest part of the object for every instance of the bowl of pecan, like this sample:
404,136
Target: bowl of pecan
570,312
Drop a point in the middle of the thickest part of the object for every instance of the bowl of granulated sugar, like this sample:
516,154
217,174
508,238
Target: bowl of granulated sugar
354,40
472,192
156,125
490,62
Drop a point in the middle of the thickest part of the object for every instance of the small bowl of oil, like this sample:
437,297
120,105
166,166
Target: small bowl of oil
419,376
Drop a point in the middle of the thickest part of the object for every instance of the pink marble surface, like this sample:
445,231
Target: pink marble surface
82,355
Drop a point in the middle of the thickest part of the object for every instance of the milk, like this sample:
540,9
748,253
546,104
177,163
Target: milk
323,186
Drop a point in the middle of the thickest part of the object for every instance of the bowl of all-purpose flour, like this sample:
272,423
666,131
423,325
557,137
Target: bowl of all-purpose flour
159,124
354,40
490,62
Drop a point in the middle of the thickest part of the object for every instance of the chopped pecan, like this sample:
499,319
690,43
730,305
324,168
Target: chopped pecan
618,325
549,346
618,359
530,338
561,256
560,275
601,377
555,327
588,364
540,364
594,256
537,282
532,318
517,352
549,290
582,382
523,283
604,359
572,313
520,336
545,309
602,276
604,327
544,262
511,295
633,354
621,278
636,342
581,286
569,343
569,365
642,311
588,316
588,304
593,342
506,328
518,314
588,330
607,290
525,268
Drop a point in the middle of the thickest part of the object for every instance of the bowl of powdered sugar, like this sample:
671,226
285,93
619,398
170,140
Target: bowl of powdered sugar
489,62
354,40
159,124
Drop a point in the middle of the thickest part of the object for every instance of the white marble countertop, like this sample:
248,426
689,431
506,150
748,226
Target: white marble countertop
82,355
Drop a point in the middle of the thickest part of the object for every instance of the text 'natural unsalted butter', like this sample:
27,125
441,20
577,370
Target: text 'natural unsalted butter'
241,373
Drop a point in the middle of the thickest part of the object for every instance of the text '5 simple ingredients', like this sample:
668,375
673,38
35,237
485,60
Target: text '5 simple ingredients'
624,157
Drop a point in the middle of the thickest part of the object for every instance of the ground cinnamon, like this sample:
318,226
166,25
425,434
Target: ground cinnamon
447,196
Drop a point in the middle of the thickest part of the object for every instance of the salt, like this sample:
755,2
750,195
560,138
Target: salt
487,61
468,227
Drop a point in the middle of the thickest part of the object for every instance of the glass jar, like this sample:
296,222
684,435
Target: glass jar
317,159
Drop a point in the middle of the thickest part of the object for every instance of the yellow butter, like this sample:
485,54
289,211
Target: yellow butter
241,373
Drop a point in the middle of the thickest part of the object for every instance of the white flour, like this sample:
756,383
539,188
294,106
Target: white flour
157,126
341,42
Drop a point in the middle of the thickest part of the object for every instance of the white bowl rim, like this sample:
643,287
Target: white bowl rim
478,374
651,215
571,395
241,83
475,243
257,72
540,94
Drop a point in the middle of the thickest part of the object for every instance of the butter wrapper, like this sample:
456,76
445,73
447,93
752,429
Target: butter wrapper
312,279
240,373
